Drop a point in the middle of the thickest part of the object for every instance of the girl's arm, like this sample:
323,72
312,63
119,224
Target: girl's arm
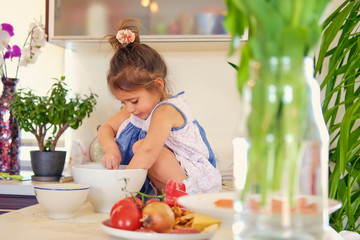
106,137
164,118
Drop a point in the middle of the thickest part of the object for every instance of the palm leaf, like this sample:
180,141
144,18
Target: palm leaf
335,24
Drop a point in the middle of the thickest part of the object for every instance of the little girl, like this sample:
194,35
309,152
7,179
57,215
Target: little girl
153,130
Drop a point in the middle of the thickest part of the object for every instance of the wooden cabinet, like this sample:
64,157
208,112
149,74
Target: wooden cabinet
162,20
13,202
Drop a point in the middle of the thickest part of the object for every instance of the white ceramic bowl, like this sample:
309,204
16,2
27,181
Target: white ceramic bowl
106,186
61,200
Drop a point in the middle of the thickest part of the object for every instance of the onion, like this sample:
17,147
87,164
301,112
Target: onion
158,216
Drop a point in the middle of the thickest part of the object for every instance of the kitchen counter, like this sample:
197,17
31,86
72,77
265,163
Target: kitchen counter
31,223
16,194
15,187
23,187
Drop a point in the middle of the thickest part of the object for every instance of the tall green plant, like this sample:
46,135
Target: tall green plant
340,54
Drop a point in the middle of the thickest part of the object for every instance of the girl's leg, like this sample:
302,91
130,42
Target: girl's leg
165,168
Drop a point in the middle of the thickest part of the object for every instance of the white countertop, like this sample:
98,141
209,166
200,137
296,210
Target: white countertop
16,187
23,187
31,223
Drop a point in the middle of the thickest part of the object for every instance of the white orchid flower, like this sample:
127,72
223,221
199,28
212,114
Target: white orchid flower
36,39
4,40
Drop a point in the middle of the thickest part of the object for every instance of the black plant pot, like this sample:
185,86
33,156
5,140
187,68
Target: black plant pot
47,166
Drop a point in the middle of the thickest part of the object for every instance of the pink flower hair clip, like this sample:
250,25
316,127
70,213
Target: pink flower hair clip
125,36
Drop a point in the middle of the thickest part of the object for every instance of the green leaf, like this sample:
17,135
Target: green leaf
344,134
290,37
265,18
235,22
330,33
244,66
236,67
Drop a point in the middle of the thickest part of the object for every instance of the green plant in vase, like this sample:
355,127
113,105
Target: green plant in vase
340,53
286,136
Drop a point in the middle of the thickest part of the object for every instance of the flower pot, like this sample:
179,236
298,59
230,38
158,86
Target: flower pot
47,166
285,143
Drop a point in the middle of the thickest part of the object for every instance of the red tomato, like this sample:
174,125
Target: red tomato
137,201
126,217
121,202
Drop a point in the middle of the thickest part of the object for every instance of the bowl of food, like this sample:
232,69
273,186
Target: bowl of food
61,200
108,186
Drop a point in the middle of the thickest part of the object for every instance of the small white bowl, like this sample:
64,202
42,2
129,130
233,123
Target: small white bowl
61,200
106,186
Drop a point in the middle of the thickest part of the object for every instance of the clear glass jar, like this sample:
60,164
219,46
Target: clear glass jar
95,149
285,150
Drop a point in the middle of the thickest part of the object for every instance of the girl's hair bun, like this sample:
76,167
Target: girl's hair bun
127,34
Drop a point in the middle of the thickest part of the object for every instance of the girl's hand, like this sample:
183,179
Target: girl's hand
106,134
112,159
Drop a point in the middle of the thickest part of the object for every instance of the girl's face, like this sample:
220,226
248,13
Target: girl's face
139,102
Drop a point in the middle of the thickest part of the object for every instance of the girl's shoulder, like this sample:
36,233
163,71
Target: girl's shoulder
176,102
169,113
167,110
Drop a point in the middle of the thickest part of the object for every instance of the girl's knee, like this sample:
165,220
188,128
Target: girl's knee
167,167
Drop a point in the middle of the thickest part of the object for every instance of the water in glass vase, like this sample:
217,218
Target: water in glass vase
284,142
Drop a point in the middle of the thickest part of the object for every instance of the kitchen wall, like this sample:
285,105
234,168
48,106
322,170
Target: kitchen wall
199,69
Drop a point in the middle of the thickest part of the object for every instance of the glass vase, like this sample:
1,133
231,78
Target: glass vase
96,151
9,130
281,154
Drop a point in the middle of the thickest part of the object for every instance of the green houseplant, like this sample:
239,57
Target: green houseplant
48,117
340,54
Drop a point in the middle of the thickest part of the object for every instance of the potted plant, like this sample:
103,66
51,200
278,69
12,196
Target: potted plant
339,54
47,118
